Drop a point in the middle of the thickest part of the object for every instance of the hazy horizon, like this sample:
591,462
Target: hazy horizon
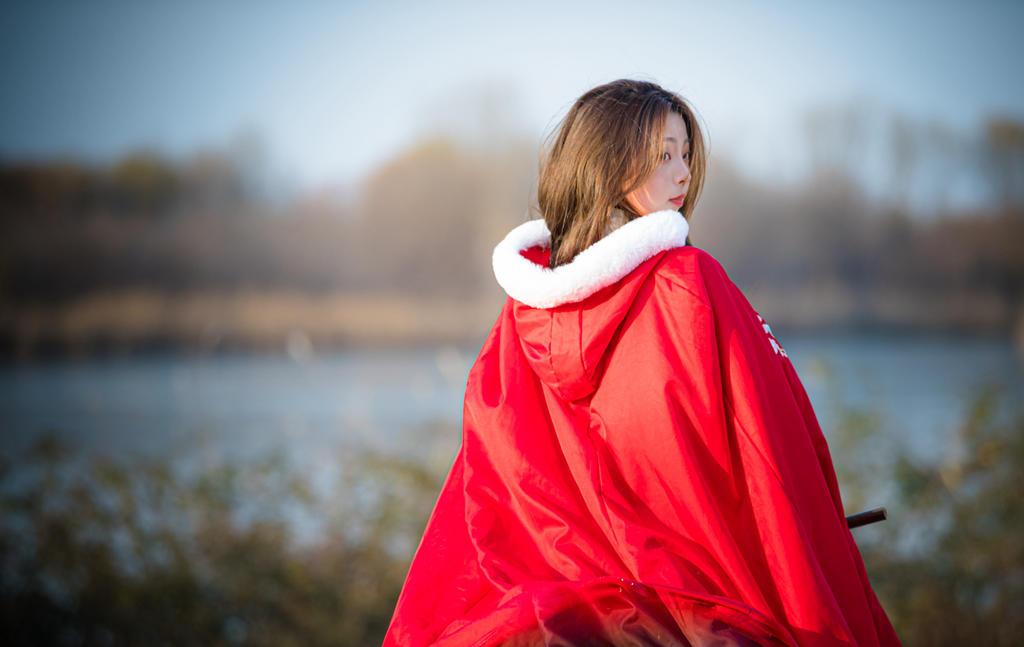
326,92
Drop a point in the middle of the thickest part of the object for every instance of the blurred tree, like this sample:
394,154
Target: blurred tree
142,183
905,152
837,139
1004,139
427,219
421,227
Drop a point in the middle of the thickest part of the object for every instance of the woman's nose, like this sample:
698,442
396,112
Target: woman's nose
683,173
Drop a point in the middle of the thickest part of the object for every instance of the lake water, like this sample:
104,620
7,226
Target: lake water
410,401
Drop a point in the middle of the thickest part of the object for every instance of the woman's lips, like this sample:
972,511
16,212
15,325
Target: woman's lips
678,200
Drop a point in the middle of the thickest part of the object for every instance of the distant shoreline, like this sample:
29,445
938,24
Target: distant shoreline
141,320
127,321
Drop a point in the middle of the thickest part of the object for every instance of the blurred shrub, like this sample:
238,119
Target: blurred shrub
948,566
99,553
963,584
146,554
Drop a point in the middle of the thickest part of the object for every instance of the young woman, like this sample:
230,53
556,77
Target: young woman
640,464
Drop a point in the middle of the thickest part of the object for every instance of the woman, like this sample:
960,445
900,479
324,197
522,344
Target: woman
640,464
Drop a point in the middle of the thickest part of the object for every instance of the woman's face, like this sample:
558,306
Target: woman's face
667,187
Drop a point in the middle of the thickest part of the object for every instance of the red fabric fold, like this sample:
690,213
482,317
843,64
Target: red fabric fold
639,468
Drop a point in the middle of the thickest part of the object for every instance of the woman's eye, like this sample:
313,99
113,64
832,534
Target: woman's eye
687,155
665,157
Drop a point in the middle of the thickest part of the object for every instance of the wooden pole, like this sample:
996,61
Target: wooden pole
866,517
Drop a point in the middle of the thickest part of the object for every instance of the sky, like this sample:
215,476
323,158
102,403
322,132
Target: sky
332,89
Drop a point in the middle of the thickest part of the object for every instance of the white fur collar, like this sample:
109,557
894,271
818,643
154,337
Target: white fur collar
598,266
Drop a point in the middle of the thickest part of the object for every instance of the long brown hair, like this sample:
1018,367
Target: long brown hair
607,145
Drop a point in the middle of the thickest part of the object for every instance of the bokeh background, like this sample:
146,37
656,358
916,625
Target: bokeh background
245,268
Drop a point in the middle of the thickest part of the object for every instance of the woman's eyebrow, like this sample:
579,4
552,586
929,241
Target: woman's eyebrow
673,139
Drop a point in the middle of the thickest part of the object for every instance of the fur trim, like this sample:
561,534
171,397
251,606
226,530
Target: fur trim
596,267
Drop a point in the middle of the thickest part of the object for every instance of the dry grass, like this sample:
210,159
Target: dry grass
123,321
128,320
834,305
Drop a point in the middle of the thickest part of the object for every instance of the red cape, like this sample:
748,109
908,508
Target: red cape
640,465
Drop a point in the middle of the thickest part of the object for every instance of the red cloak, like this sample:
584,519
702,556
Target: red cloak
640,465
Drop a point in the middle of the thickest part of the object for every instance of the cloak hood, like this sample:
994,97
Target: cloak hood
564,342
